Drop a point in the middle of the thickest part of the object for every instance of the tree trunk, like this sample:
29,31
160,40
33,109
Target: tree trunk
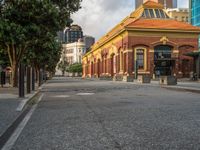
14,75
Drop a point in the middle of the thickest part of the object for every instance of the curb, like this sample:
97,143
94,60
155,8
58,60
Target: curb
183,89
25,101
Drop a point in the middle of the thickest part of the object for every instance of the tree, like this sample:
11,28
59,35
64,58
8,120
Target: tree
4,61
23,24
63,66
75,68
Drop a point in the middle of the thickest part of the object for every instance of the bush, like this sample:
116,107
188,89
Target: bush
75,68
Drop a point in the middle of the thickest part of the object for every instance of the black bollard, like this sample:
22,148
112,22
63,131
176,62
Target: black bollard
40,77
28,80
3,78
21,80
33,79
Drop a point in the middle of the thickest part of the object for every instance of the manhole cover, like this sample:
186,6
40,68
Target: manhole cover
84,94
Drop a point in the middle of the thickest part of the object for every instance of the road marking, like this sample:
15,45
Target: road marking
84,94
9,144
61,96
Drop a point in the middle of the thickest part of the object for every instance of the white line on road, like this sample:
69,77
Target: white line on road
9,144
84,94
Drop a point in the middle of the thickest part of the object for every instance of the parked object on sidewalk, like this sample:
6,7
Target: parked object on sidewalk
3,78
193,76
168,80
144,79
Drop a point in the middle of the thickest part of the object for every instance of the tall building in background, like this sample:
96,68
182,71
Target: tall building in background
73,52
166,3
179,14
195,12
72,34
89,41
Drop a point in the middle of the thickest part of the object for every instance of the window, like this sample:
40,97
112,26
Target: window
151,13
140,58
157,13
183,19
147,13
162,13
186,19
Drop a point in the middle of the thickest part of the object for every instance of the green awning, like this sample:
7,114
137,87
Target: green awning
193,54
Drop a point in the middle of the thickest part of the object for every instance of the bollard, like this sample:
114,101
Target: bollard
40,77
3,78
28,80
21,80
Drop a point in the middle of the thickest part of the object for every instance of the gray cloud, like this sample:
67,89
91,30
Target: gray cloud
99,16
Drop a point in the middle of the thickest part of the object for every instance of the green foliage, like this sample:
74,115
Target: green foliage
4,61
63,66
29,27
75,68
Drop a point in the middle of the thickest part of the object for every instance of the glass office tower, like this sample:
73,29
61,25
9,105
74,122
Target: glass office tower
195,13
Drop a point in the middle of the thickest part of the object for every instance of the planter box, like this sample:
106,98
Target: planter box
144,79
108,78
118,78
168,80
128,79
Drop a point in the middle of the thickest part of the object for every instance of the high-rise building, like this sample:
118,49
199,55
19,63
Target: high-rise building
89,41
166,3
195,12
73,34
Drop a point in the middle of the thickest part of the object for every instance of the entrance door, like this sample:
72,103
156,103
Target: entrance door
185,68
163,63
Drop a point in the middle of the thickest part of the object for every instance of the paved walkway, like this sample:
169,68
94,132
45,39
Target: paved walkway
9,102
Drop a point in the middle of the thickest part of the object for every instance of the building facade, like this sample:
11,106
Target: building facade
195,12
179,14
166,3
72,34
148,42
73,52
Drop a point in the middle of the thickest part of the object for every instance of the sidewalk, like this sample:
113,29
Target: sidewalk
183,85
10,106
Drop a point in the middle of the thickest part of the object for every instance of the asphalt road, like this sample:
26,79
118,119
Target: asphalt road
77,114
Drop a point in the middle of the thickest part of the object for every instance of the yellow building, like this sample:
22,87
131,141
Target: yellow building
179,14
147,42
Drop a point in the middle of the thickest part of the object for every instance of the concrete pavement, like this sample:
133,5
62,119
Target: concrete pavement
11,106
78,114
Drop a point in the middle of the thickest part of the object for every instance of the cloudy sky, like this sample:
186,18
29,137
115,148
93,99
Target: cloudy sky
99,16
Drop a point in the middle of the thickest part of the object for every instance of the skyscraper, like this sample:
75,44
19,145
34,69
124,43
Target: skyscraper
166,3
195,12
73,34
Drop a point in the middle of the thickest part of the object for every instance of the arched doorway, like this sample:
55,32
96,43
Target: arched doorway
92,69
98,68
113,65
163,62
